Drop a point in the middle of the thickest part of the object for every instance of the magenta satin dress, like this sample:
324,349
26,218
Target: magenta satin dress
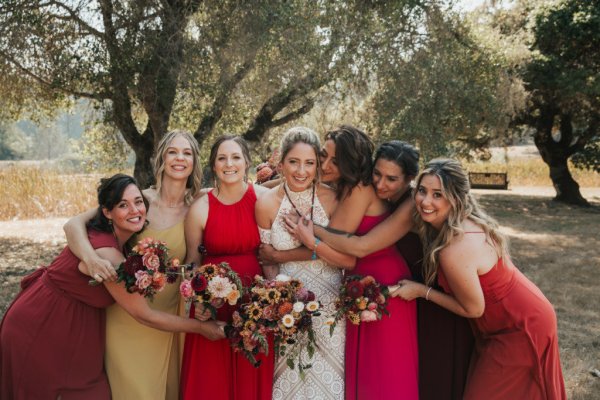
382,356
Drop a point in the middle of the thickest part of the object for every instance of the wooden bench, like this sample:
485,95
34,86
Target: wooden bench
488,180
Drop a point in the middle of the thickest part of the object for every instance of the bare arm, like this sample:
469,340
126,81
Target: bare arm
383,235
460,269
195,220
79,244
139,309
268,254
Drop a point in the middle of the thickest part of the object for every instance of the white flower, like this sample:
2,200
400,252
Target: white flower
283,278
312,306
287,320
298,306
220,287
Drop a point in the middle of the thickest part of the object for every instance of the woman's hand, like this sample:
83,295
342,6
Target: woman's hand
101,270
409,290
302,230
214,330
201,313
267,254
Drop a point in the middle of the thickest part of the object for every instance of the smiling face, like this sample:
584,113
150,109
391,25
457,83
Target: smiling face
230,165
178,159
329,170
129,214
431,204
299,167
389,180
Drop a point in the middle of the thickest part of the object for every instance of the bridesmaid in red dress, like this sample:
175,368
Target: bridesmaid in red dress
52,336
516,354
223,223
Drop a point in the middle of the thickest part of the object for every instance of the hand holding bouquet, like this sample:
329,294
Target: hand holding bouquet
361,299
145,268
282,307
212,286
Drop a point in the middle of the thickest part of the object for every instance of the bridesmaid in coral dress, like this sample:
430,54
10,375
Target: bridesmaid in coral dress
223,223
517,355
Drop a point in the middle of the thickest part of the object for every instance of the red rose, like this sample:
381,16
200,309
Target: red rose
133,264
199,283
355,289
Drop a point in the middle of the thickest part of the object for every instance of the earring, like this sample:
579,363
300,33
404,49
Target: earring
110,222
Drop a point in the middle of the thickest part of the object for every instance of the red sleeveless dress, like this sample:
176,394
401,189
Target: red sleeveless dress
52,337
210,369
382,356
516,342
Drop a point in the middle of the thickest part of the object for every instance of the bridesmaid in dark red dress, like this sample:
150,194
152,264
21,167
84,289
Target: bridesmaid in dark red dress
223,222
517,355
445,339
52,336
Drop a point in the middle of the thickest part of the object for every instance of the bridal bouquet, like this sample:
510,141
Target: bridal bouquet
145,268
282,307
212,285
361,299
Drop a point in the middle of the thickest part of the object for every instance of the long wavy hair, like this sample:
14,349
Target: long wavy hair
194,181
354,155
301,134
455,188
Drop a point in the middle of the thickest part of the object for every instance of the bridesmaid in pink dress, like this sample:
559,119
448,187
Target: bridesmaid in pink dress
381,360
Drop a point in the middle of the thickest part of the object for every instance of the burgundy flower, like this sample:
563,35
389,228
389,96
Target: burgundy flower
355,289
133,264
199,283
310,296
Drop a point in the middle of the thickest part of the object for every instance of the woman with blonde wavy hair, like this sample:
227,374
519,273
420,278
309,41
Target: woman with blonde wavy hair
144,363
516,353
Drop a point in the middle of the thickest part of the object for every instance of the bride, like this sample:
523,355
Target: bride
301,193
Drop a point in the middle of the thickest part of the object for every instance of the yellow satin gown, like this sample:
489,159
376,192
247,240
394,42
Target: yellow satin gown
142,362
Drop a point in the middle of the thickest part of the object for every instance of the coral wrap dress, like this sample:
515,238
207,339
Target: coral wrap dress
382,356
52,336
516,352
144,363
211,369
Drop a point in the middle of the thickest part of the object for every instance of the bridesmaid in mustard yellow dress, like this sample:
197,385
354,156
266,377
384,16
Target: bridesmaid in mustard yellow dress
145,363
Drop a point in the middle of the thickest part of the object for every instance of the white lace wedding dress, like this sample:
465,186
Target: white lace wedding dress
325,379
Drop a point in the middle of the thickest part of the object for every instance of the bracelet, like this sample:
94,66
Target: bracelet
427,294
314,254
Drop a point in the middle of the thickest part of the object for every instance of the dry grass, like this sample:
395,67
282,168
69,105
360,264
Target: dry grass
532,172
35,192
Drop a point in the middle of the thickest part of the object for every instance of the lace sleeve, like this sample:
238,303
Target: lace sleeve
265,235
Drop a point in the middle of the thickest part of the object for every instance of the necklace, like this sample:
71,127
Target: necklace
312,202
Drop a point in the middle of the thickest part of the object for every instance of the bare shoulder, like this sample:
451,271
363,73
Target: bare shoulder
266,208
259,190
199,205
150,194
469,249
327,197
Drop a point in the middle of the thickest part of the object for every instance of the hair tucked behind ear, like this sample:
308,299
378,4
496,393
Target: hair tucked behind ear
456,189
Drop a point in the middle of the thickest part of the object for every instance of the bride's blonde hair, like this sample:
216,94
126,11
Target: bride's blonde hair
455,188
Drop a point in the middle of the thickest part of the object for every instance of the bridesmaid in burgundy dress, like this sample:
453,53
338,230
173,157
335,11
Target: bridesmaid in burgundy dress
52,336
445,339
223,223
517,355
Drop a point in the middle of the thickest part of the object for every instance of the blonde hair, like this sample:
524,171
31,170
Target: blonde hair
455,188
301,134
194,181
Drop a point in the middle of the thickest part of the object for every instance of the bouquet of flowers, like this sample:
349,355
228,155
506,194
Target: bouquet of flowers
282,307
212,285
146,268
361,299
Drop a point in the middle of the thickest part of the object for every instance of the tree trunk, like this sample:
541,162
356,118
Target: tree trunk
143,164
555,154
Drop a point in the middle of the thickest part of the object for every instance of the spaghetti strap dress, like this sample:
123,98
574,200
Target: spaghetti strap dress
134,371
211,369
52,336
382,356
516,353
